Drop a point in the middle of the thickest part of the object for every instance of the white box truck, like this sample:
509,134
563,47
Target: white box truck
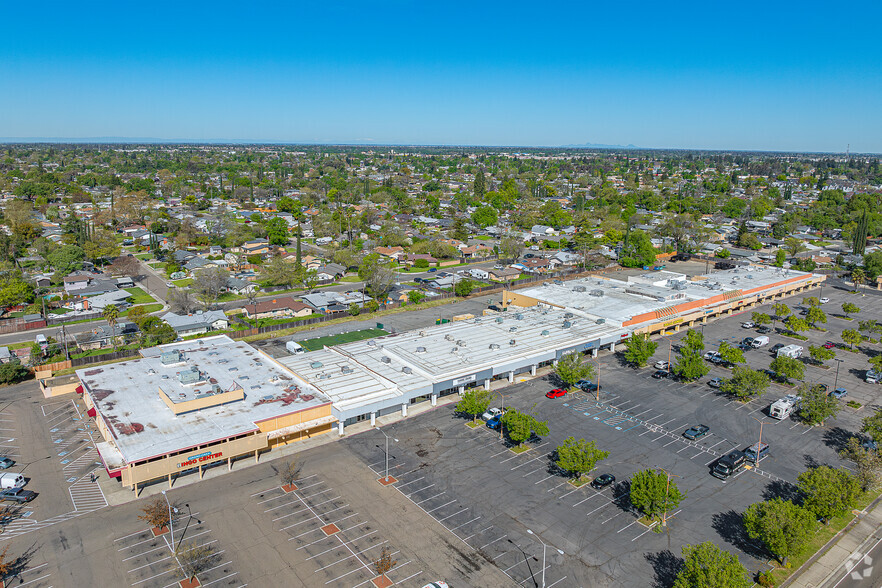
479,274
294,348
783,408
12,480
760,341
794,351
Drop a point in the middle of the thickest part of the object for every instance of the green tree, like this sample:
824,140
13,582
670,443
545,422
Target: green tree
464,287
66,259
723,253
707,566
780,258
639,348
694,340
690,365
638,251
485,216
415,296
828,492
781,310
279,272
14,290
781,525
787,367
277,231
872,426
859,277
354,309
654,493
760,318
815,315
745,383
851,337
850,308
730,354
876,363
796,324
307,278
820,354
474,402
111,314
868,463
12,373
579,457
572,367
794,246
479,185
520,426
811,301
816,405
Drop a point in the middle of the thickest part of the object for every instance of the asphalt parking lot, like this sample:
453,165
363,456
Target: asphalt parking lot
474,485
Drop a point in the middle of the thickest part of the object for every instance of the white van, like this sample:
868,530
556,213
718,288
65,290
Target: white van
760,341
12,481
294,348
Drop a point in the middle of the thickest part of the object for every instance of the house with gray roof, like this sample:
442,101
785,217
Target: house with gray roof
196,323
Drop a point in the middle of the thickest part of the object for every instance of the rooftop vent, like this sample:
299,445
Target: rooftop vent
519,316
567,324
316,365
324,376
422,333
499,319
449,337
406,370
372,343
454,350
461,343
512,342
580,289
494,346
512,329
546,333
420,349
600,321
385,359
345,370
598,293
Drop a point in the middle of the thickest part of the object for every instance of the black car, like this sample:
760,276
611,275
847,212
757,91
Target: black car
764,330
661,374
775,348
602,481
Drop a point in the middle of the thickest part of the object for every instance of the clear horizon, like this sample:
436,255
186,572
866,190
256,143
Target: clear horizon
785,77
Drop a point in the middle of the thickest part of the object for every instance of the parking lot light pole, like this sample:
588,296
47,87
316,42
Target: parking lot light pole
760,446
502,401
171,526
667,489
544,547
387,451
597,373
836,378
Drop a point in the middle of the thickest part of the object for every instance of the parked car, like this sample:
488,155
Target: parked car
711,355
829,345
747,341
748,325
498,267
556,393
495,422
839,393
17,495
432,270
660,374
494,307
764,330
869,444
589,386
824,300
774,349
491,412
661,365
6,463
693,433
438,584
715,382
602,481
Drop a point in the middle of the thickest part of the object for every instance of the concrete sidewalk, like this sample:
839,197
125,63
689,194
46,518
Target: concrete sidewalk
832,564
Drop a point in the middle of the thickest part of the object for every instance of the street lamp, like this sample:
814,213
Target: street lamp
502,408
387,452
836,378
189,518
760,446
171,526
544,547
667,490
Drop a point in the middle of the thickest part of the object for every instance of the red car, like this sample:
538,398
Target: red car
557,392
829,345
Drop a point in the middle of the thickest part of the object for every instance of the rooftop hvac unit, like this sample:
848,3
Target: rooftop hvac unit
494,346
580,289
512,342
567,324
385,359
598,293
546,333
454,350
512,329
422,333
169,357
545,284
568,315
449,337
345,370
316,365
477,320
461,343
600,321
372,343
420,349
499,319
215,389
519,316
324,376
406,370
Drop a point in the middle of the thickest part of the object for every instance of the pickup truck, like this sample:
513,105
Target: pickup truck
17,495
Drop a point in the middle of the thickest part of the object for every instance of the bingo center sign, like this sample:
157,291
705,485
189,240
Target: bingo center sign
200,458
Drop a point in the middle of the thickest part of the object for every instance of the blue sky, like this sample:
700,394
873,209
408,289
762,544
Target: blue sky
755,75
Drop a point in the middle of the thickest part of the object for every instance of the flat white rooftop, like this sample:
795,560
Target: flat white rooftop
127,396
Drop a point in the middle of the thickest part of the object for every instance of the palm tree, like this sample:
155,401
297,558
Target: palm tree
858,277
110,314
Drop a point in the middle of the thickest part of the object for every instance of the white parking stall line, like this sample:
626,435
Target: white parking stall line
329,536
674,440
431,497
645,532
219,579
123,538
558,486
308,520
411,482
588,514
420,490
450,516
272,498
539,469
478,533
442,506
545,478
492,542
402,581
34,580
556,581
634,522
587,498
290,514
464,524
699,453
348,557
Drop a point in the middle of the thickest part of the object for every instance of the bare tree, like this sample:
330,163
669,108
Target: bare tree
181,300
125,266
289,472
385,562
193,559
209,283
510,247
156,513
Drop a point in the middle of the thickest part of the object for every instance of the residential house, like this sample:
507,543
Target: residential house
567,258
505,274
240,286
536,265
330,271
330,302
541,231
479,250
103,336
393,252
285,307
412,257
256,247
125,282
75,282
197,322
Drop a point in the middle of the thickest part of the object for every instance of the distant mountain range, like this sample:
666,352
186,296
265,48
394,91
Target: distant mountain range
600,146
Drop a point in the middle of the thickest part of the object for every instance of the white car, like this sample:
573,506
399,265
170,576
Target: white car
824,300
497,267
748,325
438,584
711,355
491,412
661,365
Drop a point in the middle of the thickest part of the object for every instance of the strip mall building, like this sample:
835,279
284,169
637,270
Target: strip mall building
185,406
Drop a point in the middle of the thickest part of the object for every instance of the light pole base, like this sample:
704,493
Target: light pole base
387,480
